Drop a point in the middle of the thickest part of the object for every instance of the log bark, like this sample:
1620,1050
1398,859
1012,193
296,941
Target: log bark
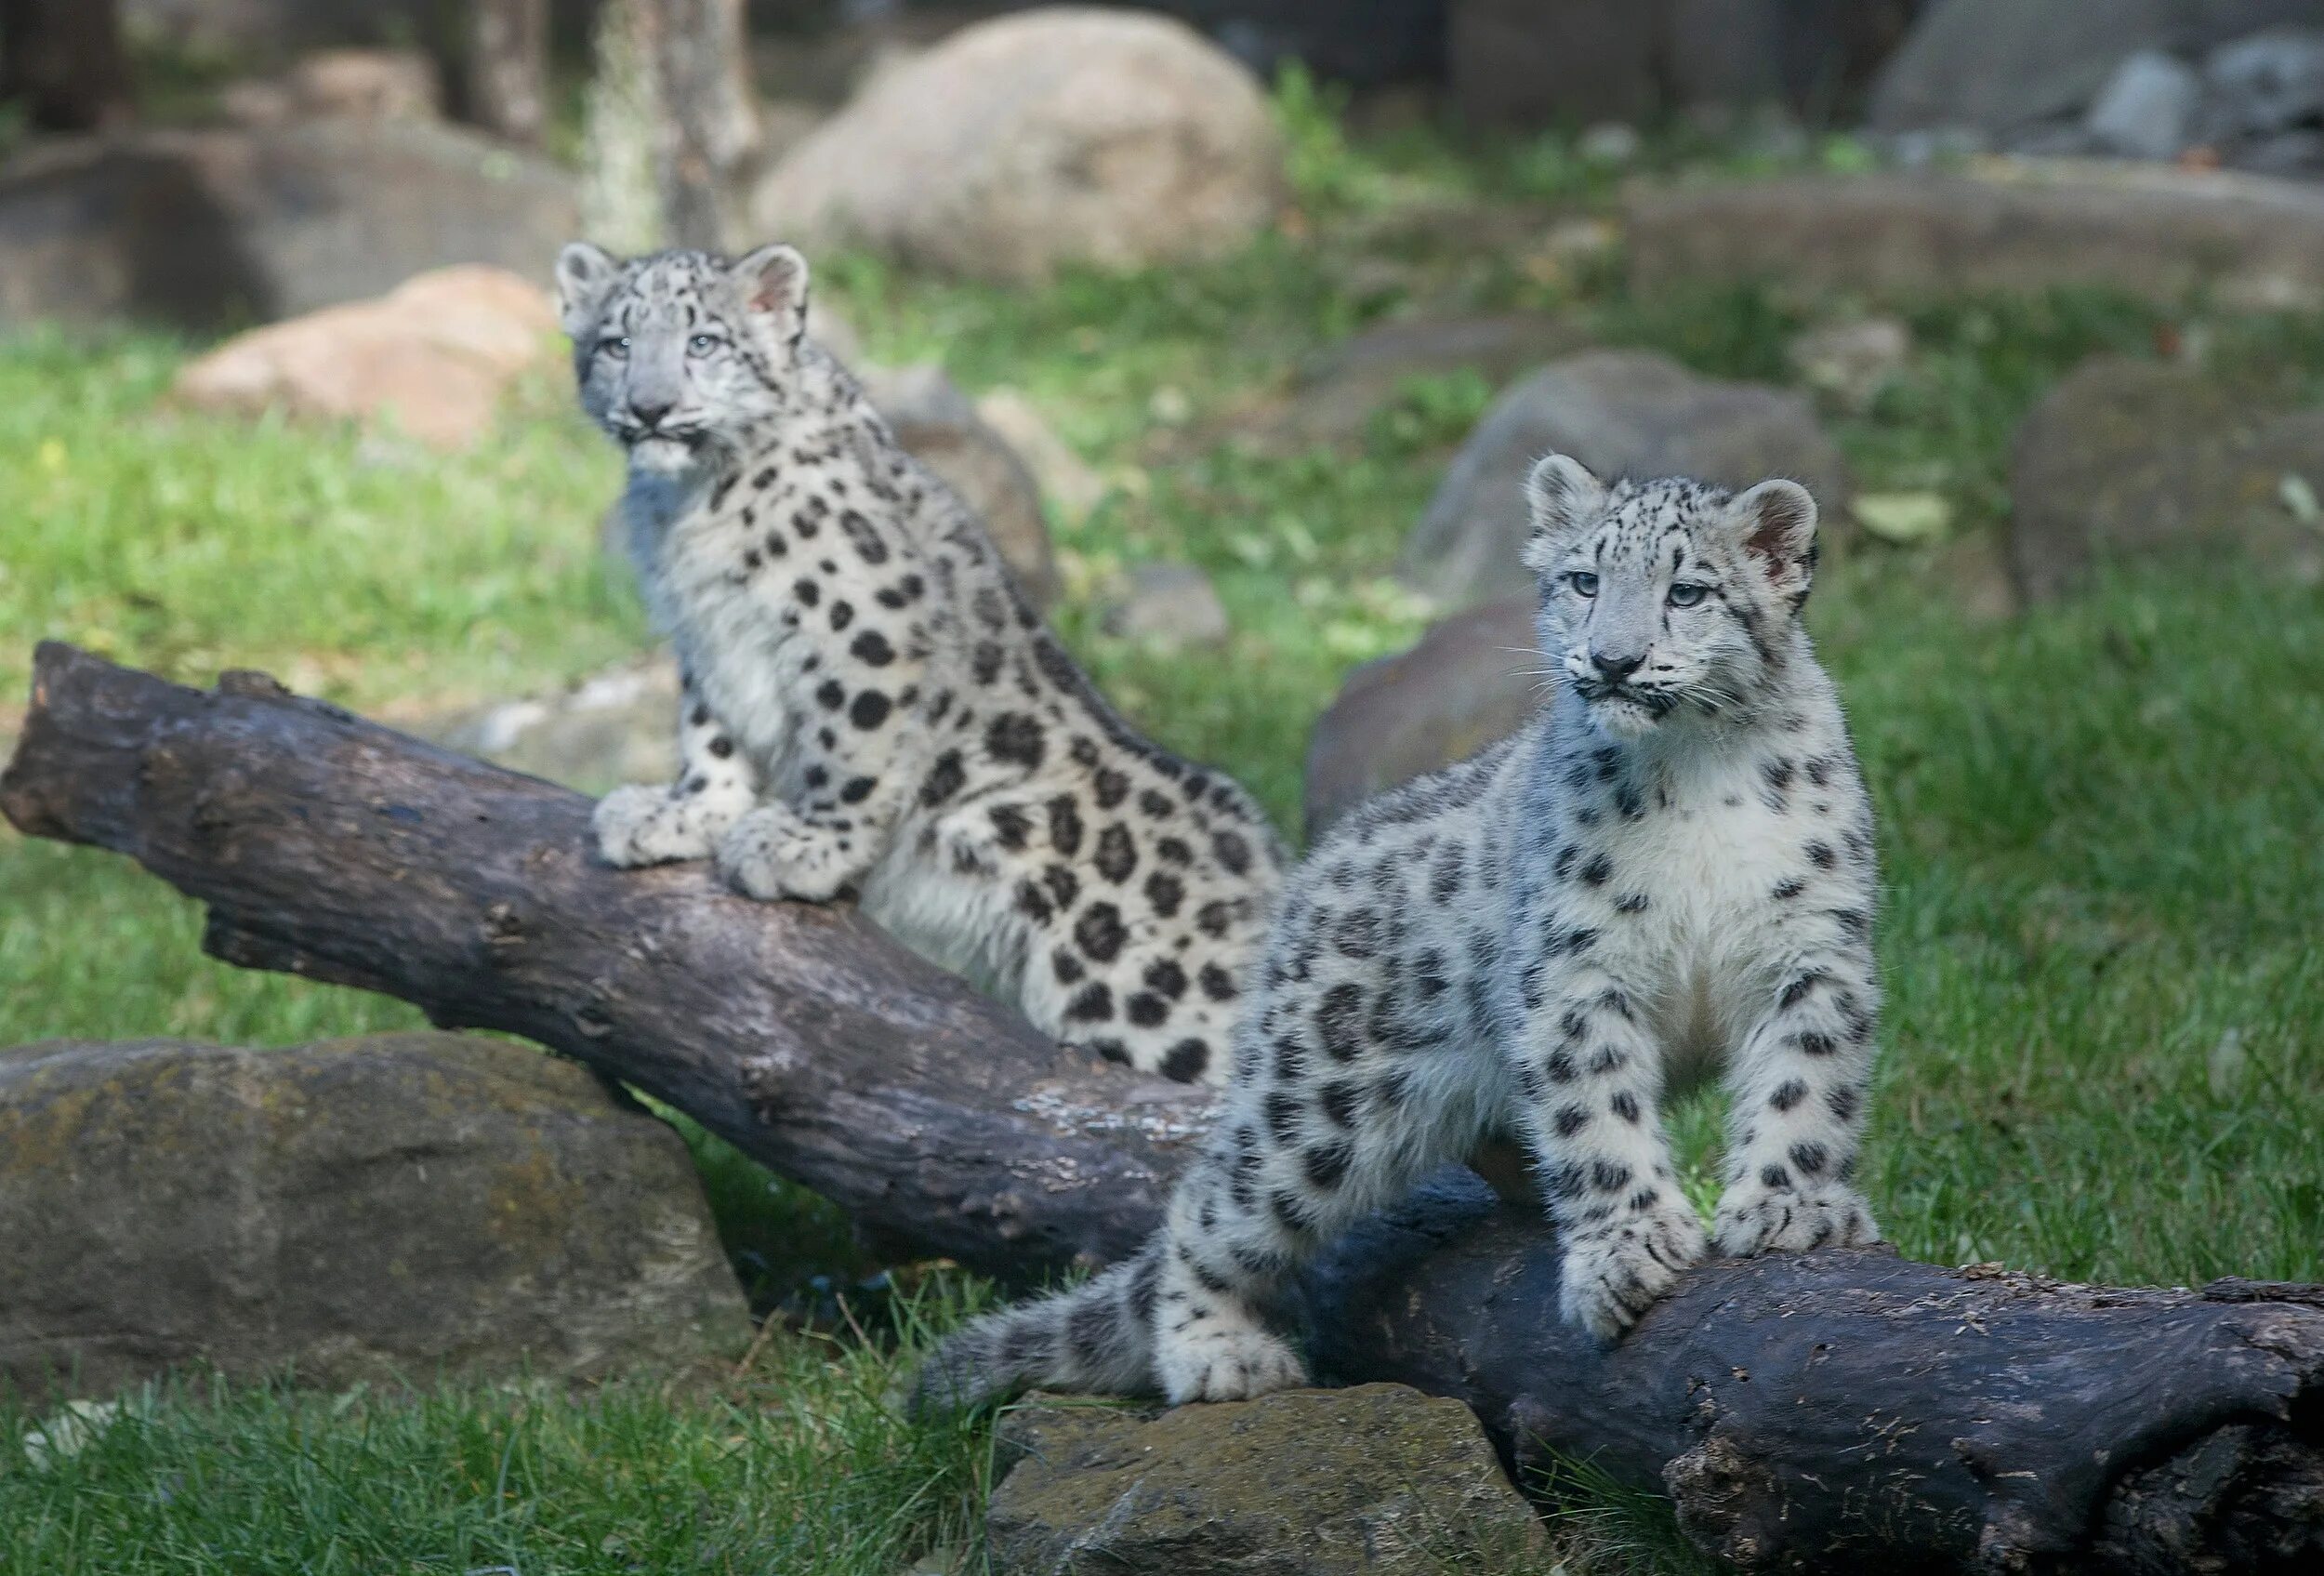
1817,1413
1849,1410
334,849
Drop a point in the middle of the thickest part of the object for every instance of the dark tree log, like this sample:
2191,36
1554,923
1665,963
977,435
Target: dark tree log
1849,1410
328,847
1819,1412
65,61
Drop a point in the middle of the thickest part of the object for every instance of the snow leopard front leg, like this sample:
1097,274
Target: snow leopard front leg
1797,1085
656,824
1592,1076
864,748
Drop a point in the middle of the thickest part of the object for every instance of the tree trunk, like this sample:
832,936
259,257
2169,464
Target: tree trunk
63,60
672,132
1827,1412
508,68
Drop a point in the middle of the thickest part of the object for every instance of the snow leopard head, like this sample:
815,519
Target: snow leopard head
682,353
1670,601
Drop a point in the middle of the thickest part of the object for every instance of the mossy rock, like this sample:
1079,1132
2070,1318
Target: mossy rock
1377,1478
389,1207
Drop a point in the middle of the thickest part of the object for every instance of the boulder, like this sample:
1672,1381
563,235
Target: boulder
616,726
1378,1478
1852,359
366,84
1046,139
2149,230
941,427
2127,459
1621,413
2001,66
219,228
433,357
2147,108
1472,679
1168,606
370,1209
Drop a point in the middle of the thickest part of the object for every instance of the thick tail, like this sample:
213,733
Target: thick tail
1097,1339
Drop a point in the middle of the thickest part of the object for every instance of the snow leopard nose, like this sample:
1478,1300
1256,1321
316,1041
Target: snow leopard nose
1616,666
650,412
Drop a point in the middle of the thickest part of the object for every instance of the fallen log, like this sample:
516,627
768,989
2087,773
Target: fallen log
1814,1412
329,847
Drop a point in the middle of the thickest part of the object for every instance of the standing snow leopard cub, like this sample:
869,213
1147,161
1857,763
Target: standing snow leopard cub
1671,864
869,702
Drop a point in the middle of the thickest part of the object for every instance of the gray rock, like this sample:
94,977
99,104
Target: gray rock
2148,108
2003,65
1050,138
1852,360
1170,606
617,726
2129,459
941,427
2264,84
1378,1478
1621,413
361,1210
1340,390
208,229
2152,230
1471,679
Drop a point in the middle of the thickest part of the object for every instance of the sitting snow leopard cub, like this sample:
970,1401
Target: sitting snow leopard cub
1673,862
869,702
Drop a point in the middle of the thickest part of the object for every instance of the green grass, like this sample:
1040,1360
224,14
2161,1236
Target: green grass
2102,1057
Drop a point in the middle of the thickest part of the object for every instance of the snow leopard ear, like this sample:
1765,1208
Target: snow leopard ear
772,285
1563,497
1777,519
585,277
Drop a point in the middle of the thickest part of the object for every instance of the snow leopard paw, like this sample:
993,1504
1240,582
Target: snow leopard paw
1613,1273
645,824
1233,1364
772,854
1753,1219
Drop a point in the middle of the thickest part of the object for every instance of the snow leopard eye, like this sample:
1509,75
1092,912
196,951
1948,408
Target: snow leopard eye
1584,583
702,345
1686,594
616,346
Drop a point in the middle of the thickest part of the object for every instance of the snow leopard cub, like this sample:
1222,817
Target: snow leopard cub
1672,864
870,703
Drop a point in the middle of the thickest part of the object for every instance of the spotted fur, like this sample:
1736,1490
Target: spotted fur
870,704
1670,866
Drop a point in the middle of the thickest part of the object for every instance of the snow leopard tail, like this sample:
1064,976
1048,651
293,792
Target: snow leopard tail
1097,1339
